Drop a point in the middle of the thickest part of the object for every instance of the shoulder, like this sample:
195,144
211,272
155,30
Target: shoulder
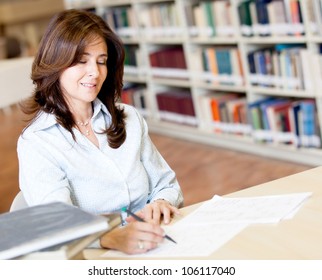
41,122
134,120
126,107
130,111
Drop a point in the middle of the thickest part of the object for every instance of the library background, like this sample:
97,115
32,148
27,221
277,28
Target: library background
243,75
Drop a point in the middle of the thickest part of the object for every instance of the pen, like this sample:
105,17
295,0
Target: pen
136,217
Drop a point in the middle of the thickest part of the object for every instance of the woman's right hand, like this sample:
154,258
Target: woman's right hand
134,238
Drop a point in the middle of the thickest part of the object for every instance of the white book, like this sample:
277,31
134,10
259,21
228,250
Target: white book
201,22
205,111
306,62
72,249
317,11
43,226
277,18
64,251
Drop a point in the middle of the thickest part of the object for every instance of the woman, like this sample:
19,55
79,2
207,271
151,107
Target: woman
82,147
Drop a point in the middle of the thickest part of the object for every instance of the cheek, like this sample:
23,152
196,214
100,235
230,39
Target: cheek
104,75
62,82
69,75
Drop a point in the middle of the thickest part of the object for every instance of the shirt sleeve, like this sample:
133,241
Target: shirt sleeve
40,178
163,183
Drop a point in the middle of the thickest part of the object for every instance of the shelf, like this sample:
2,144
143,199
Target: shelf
311,157
214,41
281,92
258,40
210,86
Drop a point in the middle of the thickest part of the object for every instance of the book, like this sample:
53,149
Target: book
222,11
176,106
245,19
200,21
46,225
210,56
255,112
277,17
168,58
278,121
210,16
223,58
64,251
72,249
262,16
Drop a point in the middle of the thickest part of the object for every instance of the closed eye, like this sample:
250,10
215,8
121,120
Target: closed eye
102,62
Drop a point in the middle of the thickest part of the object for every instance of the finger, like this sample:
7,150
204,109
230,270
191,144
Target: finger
166,215
147,212
144,246
147,232
168,211
131,219
175,210
156,213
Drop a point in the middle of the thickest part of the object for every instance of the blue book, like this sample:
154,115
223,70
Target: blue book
304,121
261,11
308,117
260,63
280,47
251,62
223,61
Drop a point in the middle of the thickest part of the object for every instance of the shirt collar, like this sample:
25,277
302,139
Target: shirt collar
99,106
46,120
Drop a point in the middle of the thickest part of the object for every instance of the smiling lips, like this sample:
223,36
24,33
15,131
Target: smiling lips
88,85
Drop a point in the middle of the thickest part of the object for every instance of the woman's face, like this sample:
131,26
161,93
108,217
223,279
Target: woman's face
82,82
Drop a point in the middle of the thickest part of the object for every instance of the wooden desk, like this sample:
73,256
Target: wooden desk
297,238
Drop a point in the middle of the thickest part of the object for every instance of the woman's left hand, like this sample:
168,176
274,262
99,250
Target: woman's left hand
157,211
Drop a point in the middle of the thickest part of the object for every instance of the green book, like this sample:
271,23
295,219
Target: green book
244,13
124,19
210,17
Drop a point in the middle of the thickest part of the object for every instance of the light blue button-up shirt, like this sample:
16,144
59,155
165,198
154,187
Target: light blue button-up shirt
53,167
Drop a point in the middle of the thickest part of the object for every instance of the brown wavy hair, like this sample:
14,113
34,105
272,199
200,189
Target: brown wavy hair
62,46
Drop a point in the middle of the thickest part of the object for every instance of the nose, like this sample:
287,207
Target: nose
93,70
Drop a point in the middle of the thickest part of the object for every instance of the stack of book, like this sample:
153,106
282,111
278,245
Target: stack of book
51,231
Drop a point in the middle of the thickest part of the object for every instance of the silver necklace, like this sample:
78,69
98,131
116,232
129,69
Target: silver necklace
84,124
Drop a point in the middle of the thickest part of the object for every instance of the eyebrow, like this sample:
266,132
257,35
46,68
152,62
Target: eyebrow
101,55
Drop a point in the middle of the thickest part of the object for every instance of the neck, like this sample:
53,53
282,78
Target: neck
83,115
82,119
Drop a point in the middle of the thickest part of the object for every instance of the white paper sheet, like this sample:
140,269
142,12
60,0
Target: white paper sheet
260,209
217,221
192,240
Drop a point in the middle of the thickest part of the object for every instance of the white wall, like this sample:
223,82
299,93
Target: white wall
15,82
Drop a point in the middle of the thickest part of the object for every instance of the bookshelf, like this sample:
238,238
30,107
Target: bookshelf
200,36
206,49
